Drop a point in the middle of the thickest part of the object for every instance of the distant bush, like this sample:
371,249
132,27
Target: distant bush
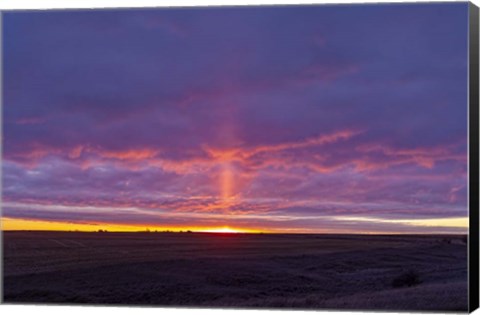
406,279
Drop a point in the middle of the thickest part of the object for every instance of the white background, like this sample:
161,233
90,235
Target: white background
81,310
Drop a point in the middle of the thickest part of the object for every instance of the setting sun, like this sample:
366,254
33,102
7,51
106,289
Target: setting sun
225,229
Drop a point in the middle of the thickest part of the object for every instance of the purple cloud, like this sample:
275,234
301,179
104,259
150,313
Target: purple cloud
281,118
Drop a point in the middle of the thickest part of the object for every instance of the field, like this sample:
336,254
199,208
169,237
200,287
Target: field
237,270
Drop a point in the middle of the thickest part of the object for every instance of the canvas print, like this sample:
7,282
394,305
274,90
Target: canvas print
298,157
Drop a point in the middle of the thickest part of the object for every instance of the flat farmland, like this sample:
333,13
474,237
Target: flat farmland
237,270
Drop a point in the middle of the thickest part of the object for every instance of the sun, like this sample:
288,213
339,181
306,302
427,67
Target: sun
225,229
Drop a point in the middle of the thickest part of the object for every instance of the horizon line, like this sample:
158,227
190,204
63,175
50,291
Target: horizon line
242,232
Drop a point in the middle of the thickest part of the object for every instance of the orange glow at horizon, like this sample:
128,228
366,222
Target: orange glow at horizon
11,224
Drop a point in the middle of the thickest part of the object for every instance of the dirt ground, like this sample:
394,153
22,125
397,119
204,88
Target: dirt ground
237,270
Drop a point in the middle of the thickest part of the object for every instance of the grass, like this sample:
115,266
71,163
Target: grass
409,278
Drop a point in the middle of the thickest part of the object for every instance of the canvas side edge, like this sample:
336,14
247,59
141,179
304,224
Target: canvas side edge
473,79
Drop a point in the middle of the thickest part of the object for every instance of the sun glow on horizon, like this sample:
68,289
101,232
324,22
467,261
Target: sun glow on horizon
225,229
12,224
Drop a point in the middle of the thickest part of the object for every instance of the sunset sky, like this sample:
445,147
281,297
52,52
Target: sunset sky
337,119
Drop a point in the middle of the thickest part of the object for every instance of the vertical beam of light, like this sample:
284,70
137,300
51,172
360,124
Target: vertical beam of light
226,181
229,136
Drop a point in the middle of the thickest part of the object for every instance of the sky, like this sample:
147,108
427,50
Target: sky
288,119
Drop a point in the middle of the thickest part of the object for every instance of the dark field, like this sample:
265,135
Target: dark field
237,270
